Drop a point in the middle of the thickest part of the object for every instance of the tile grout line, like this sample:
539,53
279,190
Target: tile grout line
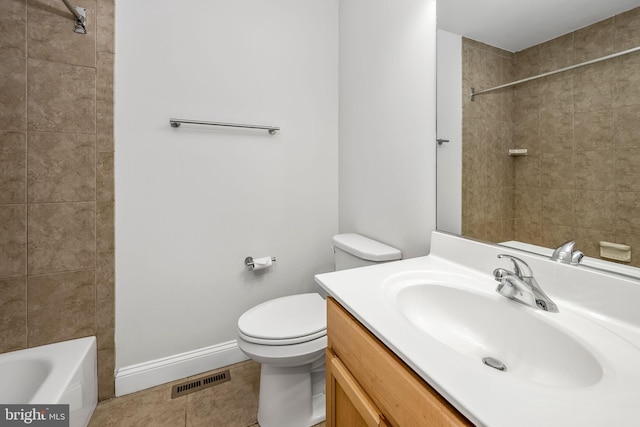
95,165
26,169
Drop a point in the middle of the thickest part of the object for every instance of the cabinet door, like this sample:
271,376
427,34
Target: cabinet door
347,403
397,392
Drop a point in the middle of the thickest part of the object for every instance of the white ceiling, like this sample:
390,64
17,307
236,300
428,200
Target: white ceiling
514,25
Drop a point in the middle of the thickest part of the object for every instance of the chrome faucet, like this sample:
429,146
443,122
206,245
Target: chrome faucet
520,285
565,254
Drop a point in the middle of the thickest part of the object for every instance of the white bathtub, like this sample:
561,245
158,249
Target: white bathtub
60,373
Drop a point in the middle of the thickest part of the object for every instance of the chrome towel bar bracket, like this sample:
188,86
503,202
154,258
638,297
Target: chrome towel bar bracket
177,122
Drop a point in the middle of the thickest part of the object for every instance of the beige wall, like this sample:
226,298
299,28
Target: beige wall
56,178
487,134
581,179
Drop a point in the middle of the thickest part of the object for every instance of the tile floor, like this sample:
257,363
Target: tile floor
230,404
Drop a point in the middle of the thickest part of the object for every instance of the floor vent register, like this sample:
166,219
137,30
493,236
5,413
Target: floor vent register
200,384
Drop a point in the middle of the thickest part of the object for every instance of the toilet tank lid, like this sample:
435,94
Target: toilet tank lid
366,248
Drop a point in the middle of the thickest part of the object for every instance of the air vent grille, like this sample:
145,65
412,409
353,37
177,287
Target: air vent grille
200,384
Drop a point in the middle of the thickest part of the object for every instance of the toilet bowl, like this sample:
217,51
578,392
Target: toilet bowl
288,337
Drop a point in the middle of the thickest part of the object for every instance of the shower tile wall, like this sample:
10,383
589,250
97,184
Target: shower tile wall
581,178
56,178
487,133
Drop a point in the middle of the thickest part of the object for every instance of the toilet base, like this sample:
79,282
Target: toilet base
291,397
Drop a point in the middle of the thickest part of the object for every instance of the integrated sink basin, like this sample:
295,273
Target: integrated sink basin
512,338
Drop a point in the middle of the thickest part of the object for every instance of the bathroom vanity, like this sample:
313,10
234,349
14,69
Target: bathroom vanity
407,341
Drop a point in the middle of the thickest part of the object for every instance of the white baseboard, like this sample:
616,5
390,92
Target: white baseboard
138,377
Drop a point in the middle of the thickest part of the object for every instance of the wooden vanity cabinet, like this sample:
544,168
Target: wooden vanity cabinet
368,385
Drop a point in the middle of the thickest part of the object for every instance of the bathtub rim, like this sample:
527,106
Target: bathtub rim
65,358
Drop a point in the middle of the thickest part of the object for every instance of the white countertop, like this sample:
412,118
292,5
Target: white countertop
603,318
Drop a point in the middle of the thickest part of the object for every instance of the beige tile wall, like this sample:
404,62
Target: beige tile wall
581,178
56,178
487,133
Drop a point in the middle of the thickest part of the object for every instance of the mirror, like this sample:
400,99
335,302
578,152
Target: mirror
548,160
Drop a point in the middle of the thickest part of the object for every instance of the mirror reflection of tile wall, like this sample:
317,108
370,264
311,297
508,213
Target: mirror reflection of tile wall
581,177
488,129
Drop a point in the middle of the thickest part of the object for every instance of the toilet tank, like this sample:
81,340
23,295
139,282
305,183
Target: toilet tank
354,250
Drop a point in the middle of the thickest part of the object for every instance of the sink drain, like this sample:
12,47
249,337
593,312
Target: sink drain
494,363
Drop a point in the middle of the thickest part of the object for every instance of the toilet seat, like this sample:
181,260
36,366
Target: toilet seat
285,321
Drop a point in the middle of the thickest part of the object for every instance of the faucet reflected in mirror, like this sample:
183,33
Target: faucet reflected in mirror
580,179
565,253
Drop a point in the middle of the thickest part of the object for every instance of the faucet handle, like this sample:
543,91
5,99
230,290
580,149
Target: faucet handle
520,268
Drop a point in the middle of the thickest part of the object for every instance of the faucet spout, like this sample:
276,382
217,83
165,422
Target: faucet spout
520,285
513,288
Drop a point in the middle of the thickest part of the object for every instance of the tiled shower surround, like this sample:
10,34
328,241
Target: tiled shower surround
56,178
581,177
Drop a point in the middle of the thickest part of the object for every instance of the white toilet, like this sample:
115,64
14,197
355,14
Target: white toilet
288,336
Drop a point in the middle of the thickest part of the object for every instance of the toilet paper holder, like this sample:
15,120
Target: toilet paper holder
248,261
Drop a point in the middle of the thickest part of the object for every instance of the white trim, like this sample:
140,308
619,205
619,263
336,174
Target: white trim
155,372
